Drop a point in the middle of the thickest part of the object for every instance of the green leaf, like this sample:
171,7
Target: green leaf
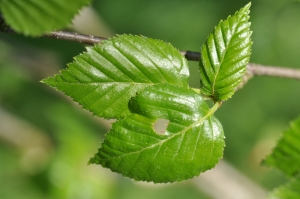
103,79
291,190
224,56
286,154
193,141
35,17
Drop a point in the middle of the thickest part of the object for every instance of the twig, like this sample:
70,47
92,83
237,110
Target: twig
272,71
260,70
248,75
252,69
71,36
191,56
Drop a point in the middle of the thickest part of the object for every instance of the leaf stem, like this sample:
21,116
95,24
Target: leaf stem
215,107
205,97
208,114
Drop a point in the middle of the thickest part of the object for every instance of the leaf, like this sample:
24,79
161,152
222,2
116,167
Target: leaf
286,154
103,79
35,17
224,56
288,191
193,141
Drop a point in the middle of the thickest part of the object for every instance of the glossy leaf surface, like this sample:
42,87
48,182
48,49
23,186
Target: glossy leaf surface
224,56
193,141
286,154
35,17
291,190
103,79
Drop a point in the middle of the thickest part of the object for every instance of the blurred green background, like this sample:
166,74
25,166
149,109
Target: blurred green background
46,140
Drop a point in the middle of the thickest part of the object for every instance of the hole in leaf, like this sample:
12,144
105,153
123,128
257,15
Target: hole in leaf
160,126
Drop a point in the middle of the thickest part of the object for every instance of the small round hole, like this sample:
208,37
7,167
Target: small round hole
160,126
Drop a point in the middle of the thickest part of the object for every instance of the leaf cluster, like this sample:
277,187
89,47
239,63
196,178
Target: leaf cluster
138,80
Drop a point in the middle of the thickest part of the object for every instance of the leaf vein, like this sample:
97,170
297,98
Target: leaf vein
130,61
88,61
155,65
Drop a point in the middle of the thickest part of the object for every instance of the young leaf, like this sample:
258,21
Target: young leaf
290,190
286,154
224,56
103,79
193,141
35,17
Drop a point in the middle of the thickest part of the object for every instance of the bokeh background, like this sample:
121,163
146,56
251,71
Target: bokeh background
46,140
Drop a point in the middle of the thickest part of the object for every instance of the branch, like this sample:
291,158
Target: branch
252,69
71,36
260,70
63,35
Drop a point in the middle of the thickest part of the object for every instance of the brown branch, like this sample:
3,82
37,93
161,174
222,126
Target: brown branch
252,69
260,70
71,36
63,35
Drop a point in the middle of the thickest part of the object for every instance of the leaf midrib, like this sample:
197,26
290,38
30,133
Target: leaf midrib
96,83
226,50
208,114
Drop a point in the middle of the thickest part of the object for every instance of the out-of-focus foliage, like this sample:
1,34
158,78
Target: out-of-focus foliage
286,157
288,191
59,165
286,154
258,113
35,17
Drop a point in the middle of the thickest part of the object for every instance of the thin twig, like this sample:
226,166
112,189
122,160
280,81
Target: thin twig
191,56
252,69
71,36
248,75
260,70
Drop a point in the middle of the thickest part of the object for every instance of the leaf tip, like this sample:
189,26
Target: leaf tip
246,8
248,5
47,81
